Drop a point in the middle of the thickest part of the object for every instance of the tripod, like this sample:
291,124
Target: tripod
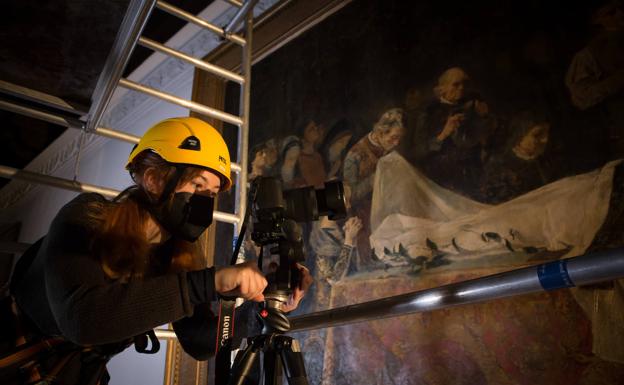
280,353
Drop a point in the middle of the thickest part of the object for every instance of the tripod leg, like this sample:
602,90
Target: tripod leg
245,359
272,368
293,362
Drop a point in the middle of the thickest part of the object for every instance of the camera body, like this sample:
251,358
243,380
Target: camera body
276,216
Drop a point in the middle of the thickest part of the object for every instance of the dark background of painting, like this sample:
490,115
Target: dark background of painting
363,59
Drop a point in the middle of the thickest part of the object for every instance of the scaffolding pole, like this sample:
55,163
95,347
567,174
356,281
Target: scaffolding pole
235,3
213,69
131,27
72,185
179,13
587,269
241,15
193,106
77,124
243,132
67,184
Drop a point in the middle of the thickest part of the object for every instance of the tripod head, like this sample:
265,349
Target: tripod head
275,215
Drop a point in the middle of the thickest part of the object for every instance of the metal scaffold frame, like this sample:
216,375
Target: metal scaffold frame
127,38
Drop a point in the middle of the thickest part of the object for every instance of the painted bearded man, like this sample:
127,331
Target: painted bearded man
450,139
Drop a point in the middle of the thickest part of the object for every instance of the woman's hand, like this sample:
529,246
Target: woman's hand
244,280
305,280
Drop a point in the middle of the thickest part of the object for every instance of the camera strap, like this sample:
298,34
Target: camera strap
227,309
225,334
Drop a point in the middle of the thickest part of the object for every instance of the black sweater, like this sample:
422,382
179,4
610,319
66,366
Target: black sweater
65,292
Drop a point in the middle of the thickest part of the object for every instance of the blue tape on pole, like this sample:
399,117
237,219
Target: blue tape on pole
554,275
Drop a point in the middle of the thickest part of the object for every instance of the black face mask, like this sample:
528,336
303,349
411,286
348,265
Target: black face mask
186,216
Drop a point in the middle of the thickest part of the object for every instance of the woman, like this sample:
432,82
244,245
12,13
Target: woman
110,271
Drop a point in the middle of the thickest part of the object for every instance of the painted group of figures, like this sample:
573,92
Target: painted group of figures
463,156
449,139
454,139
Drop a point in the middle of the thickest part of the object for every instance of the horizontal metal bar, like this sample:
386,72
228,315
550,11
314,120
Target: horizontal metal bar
41,115
200,108
226,217
131,27
164,334
41,98
235,3
240,16
583,270
65,122
72,185
113,134
175,11
67,184
77,124
229,75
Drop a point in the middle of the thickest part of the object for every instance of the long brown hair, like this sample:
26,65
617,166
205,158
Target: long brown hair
120,240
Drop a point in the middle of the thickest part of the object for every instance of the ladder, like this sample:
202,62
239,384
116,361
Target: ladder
128,36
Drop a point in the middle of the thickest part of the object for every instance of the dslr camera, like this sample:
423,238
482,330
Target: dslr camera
276,215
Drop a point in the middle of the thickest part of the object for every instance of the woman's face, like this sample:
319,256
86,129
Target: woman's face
205,183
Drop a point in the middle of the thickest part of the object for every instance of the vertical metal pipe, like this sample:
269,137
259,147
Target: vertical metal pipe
169,362
241,15
243,132
131,27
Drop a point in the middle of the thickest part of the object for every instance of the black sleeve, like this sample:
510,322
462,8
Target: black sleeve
198,333
87,306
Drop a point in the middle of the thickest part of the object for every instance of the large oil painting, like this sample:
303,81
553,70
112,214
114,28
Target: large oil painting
472,137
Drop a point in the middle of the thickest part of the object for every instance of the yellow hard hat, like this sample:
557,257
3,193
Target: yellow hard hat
187,141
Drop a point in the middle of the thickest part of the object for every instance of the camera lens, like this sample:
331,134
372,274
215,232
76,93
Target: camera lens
307,204
331,200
